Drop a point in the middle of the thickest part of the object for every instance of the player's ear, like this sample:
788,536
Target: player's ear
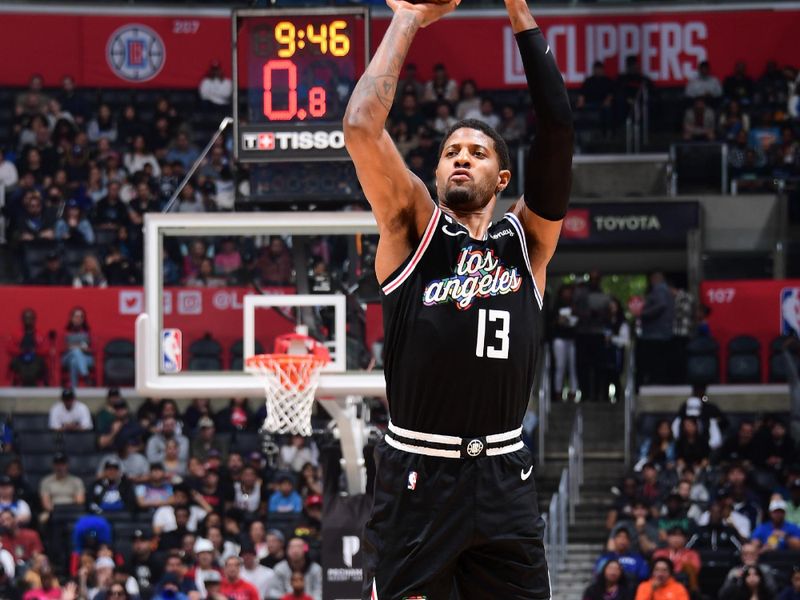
503,179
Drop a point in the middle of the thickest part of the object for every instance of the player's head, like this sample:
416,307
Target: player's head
474,166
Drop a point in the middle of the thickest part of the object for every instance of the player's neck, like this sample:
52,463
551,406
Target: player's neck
477,221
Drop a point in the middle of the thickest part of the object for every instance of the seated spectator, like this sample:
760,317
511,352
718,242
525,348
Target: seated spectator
468,99
183,150
297,453
261,577
485,113
285,499
732,121
176,567
444,119
111,212
793,591
169,588
60,487
210,489
205,441
298,585
441,87
33,100
48,588
205,276
659,449
215,88
249,494
793,502
751,586
223,548
632,83
174,466
53,273
694,494
297,561
691,448
35,223
275,263
597,90
199,408
9,501
740,448
713,532
641,527
90,275
774,451
103,125
112,491
139,156
77,358
651,489
234,417
8,568
233,585
105,416
167,430
739,85
227,258
144,564
704,84
612,583
25,543
749,559
684,560
662,585
674,513
632,563
27,351
73,227
310,525
276,547
157,491
69,414
699,122
512,125
777,533
310,481
123,428
38,568
409,114
623,503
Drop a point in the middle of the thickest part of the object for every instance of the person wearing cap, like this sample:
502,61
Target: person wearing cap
711,421
60,487
157,491
204,440
69,414
276,548
73,227
233,585
123,428
662,584
8,501
684,560
297,560
285,499
310,525
263,578
144,565
105,416
205,568
24,543
112,491
103,577
132,462
793,503
777,533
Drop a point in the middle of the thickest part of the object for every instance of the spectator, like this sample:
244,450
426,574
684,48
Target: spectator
591,306
793,503
275,263
310,481
732,121
739,85
111,212
662,585
704,85
176,567
611,584
102,126
775,451
183,151
69,414
139,156
27,351
157,491
276,545
485,113
410,115
8,501
169,588
632,563
657,319
77,358
112,491
597,90
298,585
659,449
9,175
129,126
751,586
745,501
38,568
699,122
215,88
234,417
311,521
233,586
749,557
297,453
641,527
227,258
632,84
35,223
617,341
562,327
444,118
793,591
674,513
61,487
441,87
105,416
8,590
623,504
249,493
740,448
156,445
713,532
512,126
146,567
691,449
469,99
261,577
180,517
205,567
25,543
409,83
285,499
90,275
73,227
684,560
206,440
48,588
205,276
33,100
777,533
297,561
123,429
174,466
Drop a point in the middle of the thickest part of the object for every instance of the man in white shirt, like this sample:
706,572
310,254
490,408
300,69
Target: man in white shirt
705,84
70,414
215,87
263,578
8,172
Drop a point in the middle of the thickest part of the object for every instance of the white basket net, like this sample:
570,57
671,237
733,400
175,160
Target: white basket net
290,382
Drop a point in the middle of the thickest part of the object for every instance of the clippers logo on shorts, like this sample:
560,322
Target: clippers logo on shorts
790,311
478,274
475,447
135,53
412,480
171,351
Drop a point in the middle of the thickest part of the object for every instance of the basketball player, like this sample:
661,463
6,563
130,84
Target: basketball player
455,511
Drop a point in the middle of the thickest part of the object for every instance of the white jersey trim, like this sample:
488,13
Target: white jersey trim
514,220
427,236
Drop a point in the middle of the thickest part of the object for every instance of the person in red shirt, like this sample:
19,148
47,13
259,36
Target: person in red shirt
684,560
233,587
298,588
22,543
661,585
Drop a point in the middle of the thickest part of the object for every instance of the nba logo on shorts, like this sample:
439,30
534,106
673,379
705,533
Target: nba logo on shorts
790,311
412,480
171,345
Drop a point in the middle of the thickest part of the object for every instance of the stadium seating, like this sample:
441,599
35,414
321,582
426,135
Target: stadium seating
119,366
205,354
744,360
702,367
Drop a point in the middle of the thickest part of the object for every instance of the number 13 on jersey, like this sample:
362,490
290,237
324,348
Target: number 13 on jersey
497,347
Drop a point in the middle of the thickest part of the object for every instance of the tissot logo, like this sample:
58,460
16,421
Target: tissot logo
627,223
293,140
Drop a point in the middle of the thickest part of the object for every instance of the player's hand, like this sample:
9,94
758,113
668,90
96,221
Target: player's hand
425,12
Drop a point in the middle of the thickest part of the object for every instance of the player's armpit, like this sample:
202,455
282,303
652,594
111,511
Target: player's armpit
541,239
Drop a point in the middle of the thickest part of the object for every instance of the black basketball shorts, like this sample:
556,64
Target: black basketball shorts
454,528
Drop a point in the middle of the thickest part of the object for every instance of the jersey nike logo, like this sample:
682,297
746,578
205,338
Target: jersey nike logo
548,49
523,475
450,233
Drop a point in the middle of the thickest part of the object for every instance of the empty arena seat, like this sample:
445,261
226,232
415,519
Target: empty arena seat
205,354
37,464
777,367
39,443
246,442
702,363
744,360
79,442
24,423
119,364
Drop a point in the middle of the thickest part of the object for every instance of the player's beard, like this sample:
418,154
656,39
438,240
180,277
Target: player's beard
468,197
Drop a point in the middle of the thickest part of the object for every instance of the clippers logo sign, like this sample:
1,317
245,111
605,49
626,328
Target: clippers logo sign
323,142
135,53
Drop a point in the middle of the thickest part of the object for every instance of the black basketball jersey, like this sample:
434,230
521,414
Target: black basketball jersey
461,324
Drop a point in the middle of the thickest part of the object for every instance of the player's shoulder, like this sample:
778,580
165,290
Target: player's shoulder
506,228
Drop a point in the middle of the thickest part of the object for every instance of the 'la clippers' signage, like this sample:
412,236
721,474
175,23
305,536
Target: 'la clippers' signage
626,223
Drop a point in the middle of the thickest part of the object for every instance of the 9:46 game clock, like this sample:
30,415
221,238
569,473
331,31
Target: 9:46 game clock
297,68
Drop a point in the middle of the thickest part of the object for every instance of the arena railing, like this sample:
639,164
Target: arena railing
545,395
575,465
637,125
630,403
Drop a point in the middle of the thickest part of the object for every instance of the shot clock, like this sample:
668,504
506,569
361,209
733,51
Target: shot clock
295,70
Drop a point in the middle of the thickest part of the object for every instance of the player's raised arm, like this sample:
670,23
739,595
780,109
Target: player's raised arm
400,201
548,172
